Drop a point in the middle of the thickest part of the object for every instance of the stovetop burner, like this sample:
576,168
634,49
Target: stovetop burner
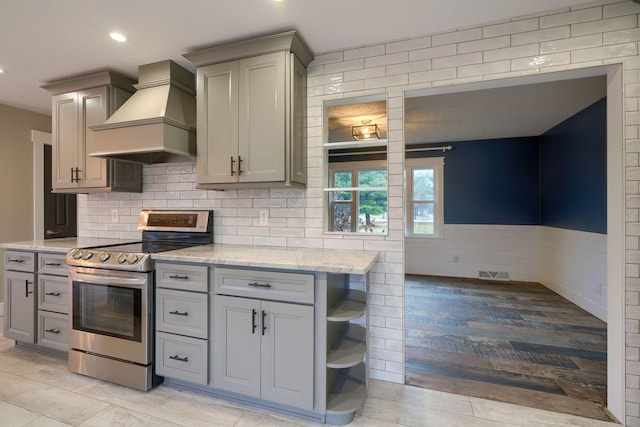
159,234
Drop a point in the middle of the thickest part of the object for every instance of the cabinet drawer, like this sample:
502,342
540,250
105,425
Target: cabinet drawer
53,293
52,264
183,313
20,261
183,277
181,357
273,285
53,330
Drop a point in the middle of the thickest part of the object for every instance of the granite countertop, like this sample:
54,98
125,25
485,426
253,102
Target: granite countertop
62,245
324,260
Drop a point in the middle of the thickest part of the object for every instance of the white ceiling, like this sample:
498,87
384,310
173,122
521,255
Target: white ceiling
43,41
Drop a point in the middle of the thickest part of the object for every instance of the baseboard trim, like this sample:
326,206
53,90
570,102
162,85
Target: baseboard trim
1,309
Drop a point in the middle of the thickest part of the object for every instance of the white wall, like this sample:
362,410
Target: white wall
574,264
466,249
602,33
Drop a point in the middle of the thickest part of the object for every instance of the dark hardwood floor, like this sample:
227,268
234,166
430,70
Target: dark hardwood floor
514,342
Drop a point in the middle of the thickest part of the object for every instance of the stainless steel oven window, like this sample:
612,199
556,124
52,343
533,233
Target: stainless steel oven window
107,310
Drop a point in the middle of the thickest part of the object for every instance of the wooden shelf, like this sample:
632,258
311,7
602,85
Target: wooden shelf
350,348
347,395
350,307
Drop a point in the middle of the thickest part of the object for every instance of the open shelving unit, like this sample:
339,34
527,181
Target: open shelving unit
347,359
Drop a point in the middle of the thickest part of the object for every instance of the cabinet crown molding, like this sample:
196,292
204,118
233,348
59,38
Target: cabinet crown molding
87,81
285,41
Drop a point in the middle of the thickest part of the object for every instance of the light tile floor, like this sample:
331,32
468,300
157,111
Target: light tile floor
37,390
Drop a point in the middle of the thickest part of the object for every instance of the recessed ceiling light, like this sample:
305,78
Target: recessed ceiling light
118,37
1,70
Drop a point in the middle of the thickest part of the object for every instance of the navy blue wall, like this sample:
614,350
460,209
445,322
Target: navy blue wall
557,179
573,181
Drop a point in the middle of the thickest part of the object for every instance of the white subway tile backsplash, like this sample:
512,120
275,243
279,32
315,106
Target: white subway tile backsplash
456,37
604,25
483,69
484,44
540,36
573,43
432,52
338,67
622,36
583,15
508,28
606,52
389,59
364,52
457,60
408,45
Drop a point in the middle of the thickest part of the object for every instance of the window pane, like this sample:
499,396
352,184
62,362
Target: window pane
423,184
372,178
372,217
341,217
343,196
423,218
342,180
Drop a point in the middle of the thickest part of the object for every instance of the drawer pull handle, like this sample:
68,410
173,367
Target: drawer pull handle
260,285
53,294
53,330
179,313
18,260
52,264
179,359
176,276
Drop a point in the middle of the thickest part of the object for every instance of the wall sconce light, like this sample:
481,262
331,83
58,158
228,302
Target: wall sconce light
365,132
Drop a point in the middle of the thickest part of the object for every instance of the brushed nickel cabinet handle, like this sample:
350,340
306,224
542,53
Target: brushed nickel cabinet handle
177,276
260,285
179,313
53,294
179,359
53,330
240,165
18,260
231,166
52,264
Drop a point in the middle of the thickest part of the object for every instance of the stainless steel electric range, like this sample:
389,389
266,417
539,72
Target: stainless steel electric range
112,298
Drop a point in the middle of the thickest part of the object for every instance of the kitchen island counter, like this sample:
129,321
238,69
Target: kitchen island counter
307,259
62,245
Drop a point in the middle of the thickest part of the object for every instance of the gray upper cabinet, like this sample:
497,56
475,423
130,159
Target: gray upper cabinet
77,104
251,101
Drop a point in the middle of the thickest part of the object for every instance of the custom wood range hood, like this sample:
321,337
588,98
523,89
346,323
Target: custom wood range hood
157,124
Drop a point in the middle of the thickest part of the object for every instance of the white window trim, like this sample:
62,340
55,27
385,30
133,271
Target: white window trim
437,163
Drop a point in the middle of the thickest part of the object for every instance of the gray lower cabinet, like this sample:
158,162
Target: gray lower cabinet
264,349
36,299
182,322
20,308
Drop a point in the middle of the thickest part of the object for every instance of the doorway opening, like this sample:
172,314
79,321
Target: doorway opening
487,235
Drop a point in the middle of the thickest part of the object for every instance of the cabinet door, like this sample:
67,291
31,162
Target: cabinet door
287,354
217,109
93,109
20,306
65,128
261,134
236,345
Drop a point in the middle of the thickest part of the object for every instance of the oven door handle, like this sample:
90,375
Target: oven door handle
105,279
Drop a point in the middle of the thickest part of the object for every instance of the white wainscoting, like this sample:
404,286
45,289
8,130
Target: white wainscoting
467,249
571,263
574,264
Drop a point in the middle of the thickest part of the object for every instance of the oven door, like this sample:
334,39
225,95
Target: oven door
111,313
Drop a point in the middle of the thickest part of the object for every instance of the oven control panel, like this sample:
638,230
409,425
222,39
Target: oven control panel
101,258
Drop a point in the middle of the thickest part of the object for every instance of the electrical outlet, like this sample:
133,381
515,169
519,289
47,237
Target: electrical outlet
264,217
114,215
